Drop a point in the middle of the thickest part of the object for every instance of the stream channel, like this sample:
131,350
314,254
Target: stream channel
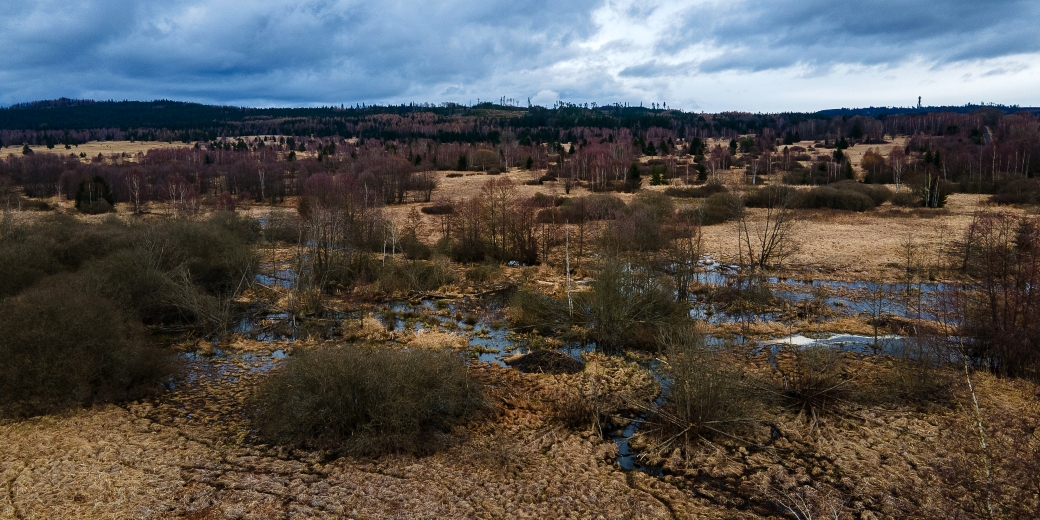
482,321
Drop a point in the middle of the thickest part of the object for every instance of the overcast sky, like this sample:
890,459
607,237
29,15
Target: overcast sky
697,55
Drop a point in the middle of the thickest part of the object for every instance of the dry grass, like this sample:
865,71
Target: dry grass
850,245
836,244
186,455
189,454
152,462
106,148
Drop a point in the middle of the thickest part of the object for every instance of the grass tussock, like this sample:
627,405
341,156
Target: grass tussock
576,409
813,378
404,276
366,401
710,396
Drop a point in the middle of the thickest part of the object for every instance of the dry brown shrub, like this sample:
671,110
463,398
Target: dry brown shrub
359,400
710,396
63,348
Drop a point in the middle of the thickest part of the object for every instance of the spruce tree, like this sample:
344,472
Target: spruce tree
634,179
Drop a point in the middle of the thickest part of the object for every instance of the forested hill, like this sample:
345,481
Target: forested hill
70,114
66,121
890,111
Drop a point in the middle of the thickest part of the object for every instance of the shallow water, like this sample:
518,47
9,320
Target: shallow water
270,275
846,298
218,365
482,322
626,458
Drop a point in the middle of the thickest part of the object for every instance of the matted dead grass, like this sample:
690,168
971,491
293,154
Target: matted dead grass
175,458
180,457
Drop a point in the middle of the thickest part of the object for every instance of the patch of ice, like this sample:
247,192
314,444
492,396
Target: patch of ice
796,339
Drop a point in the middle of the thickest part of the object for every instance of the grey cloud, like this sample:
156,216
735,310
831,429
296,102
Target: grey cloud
297,52
654,69
302,52
756,36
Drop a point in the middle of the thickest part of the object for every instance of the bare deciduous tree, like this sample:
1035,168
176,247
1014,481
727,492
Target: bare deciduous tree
897,161
768,242
134,185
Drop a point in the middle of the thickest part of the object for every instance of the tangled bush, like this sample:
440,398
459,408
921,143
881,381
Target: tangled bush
367,401
999,311
63,348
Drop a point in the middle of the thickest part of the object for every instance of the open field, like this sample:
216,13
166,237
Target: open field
855,246
93,148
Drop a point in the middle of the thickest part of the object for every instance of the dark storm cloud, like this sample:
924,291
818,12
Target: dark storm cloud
303,52
762,35
300,52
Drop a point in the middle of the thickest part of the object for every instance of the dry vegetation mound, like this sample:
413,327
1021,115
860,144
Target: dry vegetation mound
362,400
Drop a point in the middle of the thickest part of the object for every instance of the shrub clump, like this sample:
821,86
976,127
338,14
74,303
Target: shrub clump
833,198
542,200
718,208
532,310
1019,191
877,193
907,199
699,192
413,275
94,196
366,401
483,273
769,196
63,348
815,378
627,307
844,195
439,208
